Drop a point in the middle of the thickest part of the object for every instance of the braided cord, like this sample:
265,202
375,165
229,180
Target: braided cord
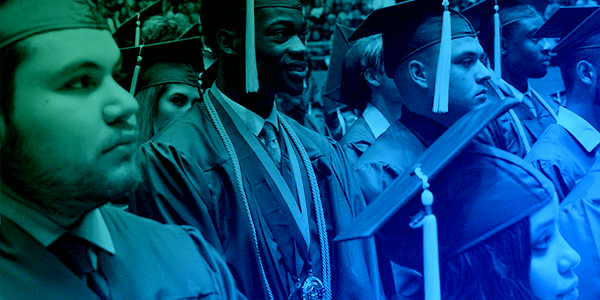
314,188
238,178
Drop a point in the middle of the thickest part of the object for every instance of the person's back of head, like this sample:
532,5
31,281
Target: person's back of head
577,54
162,28
384,93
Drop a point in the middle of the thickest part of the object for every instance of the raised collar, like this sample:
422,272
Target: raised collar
376,120
425,129
579,128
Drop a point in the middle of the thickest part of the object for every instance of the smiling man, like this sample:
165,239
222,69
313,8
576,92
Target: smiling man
68,135
265,191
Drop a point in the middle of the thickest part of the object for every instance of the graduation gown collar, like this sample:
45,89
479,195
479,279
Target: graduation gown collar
425,129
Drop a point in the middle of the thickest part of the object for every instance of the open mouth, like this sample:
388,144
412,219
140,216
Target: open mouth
298,69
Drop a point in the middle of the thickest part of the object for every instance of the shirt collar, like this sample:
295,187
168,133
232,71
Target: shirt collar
254,122
579,128
516,93
376,120
92,227
425,129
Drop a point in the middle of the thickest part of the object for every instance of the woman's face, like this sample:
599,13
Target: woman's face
551,273
177,99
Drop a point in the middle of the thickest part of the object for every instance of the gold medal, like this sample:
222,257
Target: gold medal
312,288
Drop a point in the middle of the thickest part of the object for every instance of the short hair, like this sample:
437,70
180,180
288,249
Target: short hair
569,60
372,56
497,268
148,101
11,57
164,28
216,15
506,32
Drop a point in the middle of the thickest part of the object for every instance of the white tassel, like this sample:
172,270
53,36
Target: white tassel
442,80
136,73
431,264
137,31
251,66
497,54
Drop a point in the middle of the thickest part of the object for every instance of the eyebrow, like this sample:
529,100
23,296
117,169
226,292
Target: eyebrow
85,64
75,67
288,23
466,54
540,229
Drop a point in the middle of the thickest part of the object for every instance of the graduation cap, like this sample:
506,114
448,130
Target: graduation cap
563,21
167,62
578,28
190,32
391,212
215,12
128,34
20,19
339,48
412,26
489,16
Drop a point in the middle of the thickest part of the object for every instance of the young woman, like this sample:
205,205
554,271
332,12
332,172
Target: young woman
498,237
528,260
167,83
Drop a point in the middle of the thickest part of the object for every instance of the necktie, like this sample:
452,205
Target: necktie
268,138
74,252
529,103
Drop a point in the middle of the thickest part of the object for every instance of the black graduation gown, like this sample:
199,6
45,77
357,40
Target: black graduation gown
503,132
356,141
394,151
189,179
151,261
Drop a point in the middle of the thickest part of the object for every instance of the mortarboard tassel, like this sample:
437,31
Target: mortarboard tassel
340,118
497,55
136,73
137,30
442,80
251,67
431,265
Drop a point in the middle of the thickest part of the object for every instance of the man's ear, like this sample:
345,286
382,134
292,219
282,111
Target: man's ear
372,76
418,73
503,47
228,42
586,72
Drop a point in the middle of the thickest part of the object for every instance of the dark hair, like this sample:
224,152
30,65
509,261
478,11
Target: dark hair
497,268
216,15
11,57
148,101
568,61
487,44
